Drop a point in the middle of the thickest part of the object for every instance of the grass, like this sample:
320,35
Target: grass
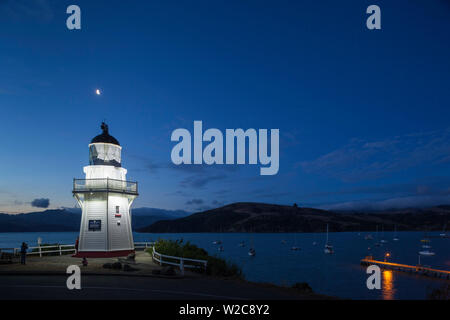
216,266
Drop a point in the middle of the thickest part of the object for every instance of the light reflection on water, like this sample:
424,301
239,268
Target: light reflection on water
388,285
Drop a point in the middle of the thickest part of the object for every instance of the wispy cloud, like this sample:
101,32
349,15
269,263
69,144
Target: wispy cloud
40,203
361,159
199,181
392,203
24,9
195,202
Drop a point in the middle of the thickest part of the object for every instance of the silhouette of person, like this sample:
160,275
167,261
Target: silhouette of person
23,253
76,244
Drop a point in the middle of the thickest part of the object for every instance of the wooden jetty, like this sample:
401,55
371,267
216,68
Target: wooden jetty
419,269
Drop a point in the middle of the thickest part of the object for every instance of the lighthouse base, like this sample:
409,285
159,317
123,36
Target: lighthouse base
102,254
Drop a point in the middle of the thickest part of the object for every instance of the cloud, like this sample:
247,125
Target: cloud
40,10
194,202
153,167
199,181
40,203
393,203
199,204
361,159
203,208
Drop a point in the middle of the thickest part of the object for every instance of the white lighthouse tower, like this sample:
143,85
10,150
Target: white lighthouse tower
105,198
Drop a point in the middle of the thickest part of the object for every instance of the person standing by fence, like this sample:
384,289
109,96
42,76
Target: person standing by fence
76,244
23,253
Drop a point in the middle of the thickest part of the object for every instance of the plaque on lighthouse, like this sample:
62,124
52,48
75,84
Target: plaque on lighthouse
105,197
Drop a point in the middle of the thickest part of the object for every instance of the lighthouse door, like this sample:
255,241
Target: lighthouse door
119,223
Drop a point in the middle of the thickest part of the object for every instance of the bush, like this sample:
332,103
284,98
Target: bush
216,266
303,287
442,293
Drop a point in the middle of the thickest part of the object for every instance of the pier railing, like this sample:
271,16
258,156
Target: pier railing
180,262
104,185
419,269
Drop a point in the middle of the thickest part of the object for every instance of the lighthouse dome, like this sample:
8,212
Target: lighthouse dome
104,149
105,137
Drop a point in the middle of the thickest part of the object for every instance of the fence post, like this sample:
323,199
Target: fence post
40,251
60,253
182,266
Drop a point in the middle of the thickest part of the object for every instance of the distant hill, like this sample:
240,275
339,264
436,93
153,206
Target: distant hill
261,217
68,219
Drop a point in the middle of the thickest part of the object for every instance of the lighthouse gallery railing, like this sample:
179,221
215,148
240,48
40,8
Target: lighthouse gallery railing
105,185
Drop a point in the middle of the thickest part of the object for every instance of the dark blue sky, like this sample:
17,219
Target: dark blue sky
363,115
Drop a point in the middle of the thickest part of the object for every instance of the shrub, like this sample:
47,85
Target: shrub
442,293
303,287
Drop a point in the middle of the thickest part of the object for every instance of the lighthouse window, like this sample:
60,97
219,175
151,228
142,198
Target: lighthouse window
117,209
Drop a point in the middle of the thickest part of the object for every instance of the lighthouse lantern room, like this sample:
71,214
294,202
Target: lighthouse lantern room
105,198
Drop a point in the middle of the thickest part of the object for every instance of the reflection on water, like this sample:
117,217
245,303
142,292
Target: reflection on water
388,285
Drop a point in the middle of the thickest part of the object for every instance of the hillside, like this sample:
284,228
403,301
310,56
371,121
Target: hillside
60,220
260,217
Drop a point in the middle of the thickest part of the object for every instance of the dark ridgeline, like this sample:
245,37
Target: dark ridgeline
260,217
60,220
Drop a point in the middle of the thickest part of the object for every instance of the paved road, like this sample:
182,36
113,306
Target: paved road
123,287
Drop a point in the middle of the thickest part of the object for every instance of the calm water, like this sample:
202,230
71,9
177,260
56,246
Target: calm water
339,274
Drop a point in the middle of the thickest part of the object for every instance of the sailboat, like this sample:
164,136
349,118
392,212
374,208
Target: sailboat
395,234
426,246
443,234
294,247
383,240
328,247
426,252
368,237
251,251
377,244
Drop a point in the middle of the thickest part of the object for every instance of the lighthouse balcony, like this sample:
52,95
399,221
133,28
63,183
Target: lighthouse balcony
105,185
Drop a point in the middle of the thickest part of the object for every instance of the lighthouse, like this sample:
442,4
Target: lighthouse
105,197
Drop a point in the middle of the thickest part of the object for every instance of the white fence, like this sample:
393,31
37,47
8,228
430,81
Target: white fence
182,263
40,250
162,259
143,245
60,249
